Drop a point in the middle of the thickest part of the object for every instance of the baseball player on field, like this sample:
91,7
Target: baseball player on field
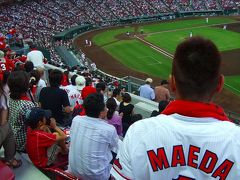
192,139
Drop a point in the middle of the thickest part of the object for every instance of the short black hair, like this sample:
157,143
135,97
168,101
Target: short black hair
94,104
88,81
162,105
126,98
112,106
164,82
116,92
73,78
29,66
136,117
55,78
196,68
101,86
18,83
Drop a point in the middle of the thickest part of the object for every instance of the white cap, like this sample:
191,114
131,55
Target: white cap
80,82
149,80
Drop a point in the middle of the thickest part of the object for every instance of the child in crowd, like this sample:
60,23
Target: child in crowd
43,146
113,116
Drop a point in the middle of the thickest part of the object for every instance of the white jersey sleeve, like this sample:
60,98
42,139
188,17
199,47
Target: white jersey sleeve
130,152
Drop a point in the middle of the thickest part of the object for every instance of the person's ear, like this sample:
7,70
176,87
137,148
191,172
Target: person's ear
220,83
172,82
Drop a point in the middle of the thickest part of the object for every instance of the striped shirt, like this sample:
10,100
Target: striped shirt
92,141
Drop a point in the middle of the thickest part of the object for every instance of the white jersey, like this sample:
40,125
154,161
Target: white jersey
73,94
179,147
36,57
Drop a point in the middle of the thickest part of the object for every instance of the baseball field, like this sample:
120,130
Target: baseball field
147,50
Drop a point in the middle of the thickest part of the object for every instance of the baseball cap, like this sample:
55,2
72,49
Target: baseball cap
80,82
36,114
149,80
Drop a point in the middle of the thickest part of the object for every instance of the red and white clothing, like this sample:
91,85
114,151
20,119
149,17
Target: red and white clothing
6,65
37,144
2,45
173,146
74,95
88,90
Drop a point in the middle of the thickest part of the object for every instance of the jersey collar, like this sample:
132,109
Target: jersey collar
195,109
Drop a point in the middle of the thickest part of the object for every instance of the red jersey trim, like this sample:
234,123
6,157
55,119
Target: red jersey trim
195,109
120,173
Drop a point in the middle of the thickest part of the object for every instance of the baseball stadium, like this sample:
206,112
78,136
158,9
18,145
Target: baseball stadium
81,79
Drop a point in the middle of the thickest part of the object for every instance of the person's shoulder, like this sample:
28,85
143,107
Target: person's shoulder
60,91
107,126
149,124
45,135
231,130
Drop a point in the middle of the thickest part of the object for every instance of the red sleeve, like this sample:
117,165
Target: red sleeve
83,94
47,139
10,64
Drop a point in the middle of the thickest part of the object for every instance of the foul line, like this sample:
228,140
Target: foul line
144,57
156,48
231,87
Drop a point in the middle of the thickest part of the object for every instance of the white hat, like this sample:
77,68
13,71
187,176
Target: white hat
80,82
149,80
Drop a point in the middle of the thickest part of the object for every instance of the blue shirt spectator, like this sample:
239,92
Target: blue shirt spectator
146,91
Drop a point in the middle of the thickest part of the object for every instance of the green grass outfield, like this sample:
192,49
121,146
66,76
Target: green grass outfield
140,57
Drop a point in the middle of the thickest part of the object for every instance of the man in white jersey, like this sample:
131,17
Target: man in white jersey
74,89
206,20
192,138
36,57
191,34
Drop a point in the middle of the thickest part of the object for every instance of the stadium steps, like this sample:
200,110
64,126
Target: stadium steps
27,171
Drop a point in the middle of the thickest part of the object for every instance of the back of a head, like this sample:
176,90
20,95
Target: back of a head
126,98
162,105
163,82
88,81
112,106
116,92
93,105
196,68
101,86
18,83
29,66
34,77
55,78
73,78
33,46
41,71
